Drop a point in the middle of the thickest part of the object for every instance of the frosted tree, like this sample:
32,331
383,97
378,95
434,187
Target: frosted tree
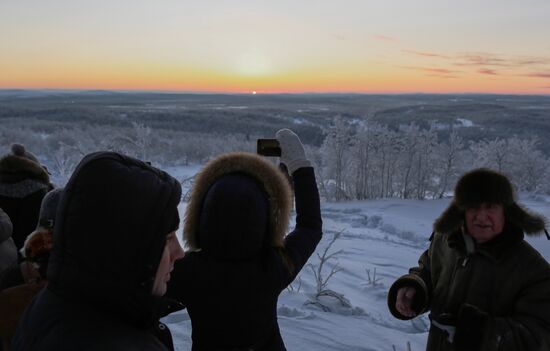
416,152
527,164
449,156
336,149
519,159
491,154
424,162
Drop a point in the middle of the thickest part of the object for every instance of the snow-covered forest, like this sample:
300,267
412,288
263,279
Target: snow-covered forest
386,167
362,149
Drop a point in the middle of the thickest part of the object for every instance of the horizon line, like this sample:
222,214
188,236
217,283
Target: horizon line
253,93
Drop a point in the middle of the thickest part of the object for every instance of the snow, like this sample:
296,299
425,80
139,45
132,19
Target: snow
465,122
387,235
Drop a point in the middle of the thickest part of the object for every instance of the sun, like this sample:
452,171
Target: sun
254,92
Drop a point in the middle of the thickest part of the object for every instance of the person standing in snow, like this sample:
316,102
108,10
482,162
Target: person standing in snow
239,259
486,288
114,247
23,184
24,280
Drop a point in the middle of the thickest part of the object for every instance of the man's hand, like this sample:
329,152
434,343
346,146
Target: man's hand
403,303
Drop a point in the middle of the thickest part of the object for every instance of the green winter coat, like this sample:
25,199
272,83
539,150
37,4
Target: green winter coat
491,296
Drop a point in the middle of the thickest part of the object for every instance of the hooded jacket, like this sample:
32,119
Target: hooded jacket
23,184
491,296
240,258
8,251
110,232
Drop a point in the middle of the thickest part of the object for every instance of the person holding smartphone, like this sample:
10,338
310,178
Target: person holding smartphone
240,258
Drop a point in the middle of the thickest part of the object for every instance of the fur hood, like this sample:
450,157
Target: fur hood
268,176
487,186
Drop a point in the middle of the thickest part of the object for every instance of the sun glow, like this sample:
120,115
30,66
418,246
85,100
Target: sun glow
253,64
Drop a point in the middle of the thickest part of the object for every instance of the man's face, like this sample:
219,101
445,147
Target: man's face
172,252
485,222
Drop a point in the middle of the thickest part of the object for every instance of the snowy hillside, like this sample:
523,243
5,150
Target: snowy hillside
386,235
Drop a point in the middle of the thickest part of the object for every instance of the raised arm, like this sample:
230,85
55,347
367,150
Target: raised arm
302,241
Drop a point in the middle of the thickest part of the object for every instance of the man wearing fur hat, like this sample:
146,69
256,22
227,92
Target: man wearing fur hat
23,184
486,288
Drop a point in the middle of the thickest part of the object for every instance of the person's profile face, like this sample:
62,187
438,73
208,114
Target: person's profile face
485,222
172,252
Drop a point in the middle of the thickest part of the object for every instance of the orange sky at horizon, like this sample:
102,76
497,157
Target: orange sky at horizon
432,46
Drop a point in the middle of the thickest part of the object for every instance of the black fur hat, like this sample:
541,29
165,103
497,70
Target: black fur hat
483,186
487,186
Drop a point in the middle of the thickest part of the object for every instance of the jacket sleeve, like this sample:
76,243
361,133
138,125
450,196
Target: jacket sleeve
419,278
6,226
525,328
300,244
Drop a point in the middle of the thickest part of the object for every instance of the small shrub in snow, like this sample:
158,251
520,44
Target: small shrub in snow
371,278
326,299
295,289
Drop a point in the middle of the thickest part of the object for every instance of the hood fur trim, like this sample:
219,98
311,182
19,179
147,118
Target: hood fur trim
264,172
12,166
529,222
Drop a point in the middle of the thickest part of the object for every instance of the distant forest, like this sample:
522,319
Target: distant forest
364,146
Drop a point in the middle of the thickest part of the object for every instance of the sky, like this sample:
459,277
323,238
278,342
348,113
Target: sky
241,46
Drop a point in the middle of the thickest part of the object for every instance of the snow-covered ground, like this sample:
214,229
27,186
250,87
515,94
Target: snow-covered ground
387,235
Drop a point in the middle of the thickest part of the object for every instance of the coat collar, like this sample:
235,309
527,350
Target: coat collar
495,249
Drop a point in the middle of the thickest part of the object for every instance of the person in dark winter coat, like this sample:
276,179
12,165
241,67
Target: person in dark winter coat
239,259
114,247
8,251
24,280
35,253
23,184
486,288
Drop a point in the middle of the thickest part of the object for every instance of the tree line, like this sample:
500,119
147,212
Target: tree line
369,160
358,160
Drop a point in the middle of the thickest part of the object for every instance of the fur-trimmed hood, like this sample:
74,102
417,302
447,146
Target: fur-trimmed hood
270,180
487,186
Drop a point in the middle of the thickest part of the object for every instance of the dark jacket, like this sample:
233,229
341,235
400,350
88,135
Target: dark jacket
236,223
23,184
110,233
494,296
13,302
8,251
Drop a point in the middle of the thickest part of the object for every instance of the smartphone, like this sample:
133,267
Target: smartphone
268,147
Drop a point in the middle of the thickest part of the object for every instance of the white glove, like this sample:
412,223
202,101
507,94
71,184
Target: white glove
292,150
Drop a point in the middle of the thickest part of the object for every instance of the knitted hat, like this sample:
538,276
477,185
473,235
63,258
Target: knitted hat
48,209
20,151
487,186
19,164
38,244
